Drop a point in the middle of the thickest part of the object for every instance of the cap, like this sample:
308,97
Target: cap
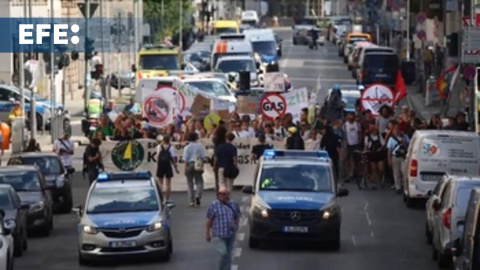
292,129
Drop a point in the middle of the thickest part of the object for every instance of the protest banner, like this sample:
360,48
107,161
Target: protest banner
296,101
141,155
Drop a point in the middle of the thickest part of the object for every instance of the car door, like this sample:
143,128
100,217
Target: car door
6,104
441,231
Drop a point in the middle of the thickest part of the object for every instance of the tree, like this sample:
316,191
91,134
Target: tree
169,23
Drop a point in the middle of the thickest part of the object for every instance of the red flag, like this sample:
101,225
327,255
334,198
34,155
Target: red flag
400,88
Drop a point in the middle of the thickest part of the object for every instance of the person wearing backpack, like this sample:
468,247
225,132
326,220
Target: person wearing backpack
194,156
166,162
397,150
375,146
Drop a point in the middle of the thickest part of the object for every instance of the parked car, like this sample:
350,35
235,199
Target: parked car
6,250
55,176
449,218
378,68
29,183
15,218
430,210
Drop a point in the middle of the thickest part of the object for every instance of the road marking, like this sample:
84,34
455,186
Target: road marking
234,267
366,206
368,219
353,240
237,252
243,222
244,208
285,60
371,234
240,236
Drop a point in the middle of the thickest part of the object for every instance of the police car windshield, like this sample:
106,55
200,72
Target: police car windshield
5,199
210,87
47,165
119,199
267,48
21,181
159,62
299,177
227,66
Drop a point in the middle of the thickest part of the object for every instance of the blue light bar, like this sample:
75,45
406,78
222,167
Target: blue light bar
121,176
272,154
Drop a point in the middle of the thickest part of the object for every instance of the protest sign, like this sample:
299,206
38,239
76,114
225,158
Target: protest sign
247,105
274,82
140,155
296,101
201,105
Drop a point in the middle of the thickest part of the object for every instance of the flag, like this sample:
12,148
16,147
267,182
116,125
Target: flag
400,88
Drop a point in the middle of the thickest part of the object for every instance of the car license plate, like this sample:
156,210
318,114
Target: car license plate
295,229
123,244
431,177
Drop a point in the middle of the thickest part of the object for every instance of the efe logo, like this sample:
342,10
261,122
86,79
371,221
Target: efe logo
43,30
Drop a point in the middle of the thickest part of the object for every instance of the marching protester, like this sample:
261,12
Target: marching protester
194,156
226,162
353,140
294,140
258,149
397,146
332,144
223,217
92,160
166,163
219,138
375,145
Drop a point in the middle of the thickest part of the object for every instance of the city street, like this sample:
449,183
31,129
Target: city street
378,231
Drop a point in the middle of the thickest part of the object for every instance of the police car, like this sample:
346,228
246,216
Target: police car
124,215
294,197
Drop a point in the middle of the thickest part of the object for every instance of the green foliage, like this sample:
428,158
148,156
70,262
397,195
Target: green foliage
169,23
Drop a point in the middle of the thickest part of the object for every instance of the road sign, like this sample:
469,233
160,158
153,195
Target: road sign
470,52
469,72
158,110
274,82
179,98
83,8
375,97
273,106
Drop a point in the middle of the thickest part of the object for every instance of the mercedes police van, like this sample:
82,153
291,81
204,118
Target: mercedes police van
295,197
124,215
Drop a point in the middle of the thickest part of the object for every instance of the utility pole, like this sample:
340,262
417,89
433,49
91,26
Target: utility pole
180,19
408,30
52,74
101,33
135,30
33,118
87,26
474,110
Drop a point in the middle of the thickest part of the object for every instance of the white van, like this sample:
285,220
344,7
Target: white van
231,45
433,153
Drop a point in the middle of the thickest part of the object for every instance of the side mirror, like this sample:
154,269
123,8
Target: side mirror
257,64
25,206
134,68
454,247
248,190
259,71
169,204
429,193
78,210
436,204
342,192
183,66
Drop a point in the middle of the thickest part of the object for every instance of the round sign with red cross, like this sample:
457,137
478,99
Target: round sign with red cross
159,109
273,106
176,95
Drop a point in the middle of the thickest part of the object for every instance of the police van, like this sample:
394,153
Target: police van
124,215
231,45
295,197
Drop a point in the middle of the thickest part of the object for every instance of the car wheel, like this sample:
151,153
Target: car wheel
444,261
170,244
429,235
45,230
10,262
25,241
17,246
253,243
82,261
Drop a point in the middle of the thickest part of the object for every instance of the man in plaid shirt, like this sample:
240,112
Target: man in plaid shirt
223,217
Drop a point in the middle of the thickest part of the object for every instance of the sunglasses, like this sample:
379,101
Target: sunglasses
222,193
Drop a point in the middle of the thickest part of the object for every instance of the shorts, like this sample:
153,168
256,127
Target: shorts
165,171
351,149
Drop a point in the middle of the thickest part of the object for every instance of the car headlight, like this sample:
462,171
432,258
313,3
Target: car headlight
155,226
36,207
329,212
261,208
10,224
60,181
89,229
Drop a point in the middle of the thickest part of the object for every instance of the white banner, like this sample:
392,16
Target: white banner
140,155
296,101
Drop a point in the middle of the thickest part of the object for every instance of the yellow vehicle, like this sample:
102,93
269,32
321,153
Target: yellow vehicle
226,27
158,61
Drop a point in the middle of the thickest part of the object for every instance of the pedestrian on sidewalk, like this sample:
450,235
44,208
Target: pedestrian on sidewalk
65,149
194,156
33,146
166,162
223,217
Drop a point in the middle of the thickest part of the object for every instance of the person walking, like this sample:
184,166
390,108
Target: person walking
223,217
165,161
258,149
294,140
226,162
194,156
65,149
397,146
92,160
314,36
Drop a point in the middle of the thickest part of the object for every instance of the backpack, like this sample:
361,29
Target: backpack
164,156
375,145
400,149
198,164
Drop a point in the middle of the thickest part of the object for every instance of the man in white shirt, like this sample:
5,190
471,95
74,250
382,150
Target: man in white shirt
353,138
64,148
246,131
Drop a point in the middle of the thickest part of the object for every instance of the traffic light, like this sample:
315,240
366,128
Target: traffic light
89,48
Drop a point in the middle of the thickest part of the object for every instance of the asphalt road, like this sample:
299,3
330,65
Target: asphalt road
378,231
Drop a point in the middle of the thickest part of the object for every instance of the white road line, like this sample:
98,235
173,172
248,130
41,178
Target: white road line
234,267
240,236
243,222
365,206
237,252
371,234
353,240
285,60
244,209
368,219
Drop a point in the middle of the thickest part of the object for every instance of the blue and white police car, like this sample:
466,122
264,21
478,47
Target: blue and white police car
295,197
124,215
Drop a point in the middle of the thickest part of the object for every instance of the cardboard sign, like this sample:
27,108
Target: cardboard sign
201,105
224,114
247,105
274,82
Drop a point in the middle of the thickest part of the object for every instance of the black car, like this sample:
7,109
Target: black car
15,217
55,176
30,186
378,67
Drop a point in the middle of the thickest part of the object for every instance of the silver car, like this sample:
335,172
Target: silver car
429,210
449,218
124,216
